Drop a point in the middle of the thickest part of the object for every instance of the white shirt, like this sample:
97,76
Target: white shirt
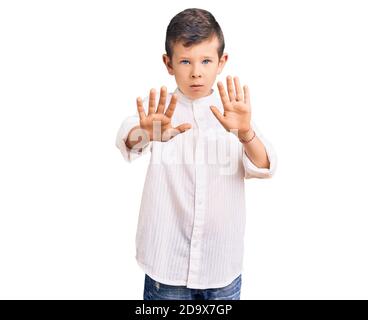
192,215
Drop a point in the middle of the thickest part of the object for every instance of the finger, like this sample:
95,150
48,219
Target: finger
171,108
169,134
140,109
230,88
239,92
162,101
172,132
217,114
246,95
223,95
152,101
183,127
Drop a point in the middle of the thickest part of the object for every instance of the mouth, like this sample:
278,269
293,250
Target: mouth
196,85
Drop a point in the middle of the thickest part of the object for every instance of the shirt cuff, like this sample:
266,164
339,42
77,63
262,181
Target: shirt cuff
122,135
251,170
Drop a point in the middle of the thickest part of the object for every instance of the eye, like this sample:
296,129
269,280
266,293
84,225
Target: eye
206,61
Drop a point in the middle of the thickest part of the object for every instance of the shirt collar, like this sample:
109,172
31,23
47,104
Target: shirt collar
204,100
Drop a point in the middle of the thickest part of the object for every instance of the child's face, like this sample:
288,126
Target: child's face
196,65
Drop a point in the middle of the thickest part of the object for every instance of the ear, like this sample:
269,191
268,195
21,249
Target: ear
168,64
222,62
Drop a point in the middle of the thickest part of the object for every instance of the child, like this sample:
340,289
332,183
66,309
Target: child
190,234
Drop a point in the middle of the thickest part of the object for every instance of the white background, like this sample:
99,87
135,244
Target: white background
69,74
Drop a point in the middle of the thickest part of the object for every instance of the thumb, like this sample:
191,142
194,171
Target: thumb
171,133
183,127
217,114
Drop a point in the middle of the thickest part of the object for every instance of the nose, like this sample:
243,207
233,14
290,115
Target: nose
196,73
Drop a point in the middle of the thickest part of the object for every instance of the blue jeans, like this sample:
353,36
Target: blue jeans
154,290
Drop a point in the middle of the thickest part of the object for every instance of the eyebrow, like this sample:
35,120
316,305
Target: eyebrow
201,57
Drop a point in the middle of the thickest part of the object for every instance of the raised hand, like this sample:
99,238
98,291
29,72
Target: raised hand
237,110
157,124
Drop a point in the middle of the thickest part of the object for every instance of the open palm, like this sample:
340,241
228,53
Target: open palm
237,109
157,124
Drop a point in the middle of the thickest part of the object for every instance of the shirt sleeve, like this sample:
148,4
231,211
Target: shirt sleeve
122,135
252,171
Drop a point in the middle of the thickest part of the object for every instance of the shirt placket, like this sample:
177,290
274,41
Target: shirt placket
194,274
